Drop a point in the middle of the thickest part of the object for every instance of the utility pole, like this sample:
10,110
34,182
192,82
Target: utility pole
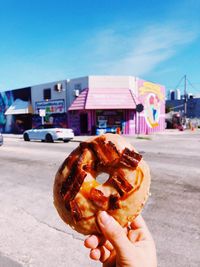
185,96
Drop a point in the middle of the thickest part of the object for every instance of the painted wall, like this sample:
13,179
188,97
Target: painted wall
130,116
152,96
9,123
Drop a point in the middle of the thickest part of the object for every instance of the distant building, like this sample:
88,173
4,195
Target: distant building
174,94
192,106
88,105
20,108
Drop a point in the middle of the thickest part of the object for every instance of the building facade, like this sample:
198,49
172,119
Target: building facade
49,103
111,103
89,105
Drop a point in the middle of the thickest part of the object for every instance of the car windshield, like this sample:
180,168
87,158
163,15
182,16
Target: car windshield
47,126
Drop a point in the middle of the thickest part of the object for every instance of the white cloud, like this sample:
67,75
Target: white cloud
137,53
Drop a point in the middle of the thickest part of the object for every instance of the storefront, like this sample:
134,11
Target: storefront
97,111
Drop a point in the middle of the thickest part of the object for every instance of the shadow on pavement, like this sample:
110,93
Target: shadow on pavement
7,262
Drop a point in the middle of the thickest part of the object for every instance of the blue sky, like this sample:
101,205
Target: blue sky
43,41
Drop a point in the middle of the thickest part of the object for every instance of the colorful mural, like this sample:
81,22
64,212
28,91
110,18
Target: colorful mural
54,113
10,123
152,97
59,120
6,100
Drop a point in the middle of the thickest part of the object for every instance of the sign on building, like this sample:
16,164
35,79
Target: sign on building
50,107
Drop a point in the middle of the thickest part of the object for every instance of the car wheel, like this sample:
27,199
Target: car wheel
66,140
26,137
49,138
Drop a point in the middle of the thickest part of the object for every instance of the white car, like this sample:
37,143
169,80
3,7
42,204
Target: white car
48,133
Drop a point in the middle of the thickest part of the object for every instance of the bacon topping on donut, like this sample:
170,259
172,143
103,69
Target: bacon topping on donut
130,158
72,184
120,183
75,187
105,153
103,202
98,198
114,202
69,180
98,153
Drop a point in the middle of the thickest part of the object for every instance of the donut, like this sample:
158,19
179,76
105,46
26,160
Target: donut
78,196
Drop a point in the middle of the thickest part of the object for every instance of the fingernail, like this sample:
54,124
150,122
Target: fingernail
104,218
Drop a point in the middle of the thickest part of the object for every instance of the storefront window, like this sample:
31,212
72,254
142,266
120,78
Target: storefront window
110,120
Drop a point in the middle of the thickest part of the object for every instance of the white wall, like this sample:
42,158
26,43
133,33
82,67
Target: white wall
133,85
37,92
109,82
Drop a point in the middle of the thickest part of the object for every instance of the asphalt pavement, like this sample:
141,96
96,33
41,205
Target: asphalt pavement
32,234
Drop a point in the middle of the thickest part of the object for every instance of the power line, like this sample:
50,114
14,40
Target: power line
185,85
179,82
192,85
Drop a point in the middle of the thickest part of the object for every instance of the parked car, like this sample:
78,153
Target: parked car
48,133
1,139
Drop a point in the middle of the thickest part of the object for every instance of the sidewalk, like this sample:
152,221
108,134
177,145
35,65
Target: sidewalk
81,138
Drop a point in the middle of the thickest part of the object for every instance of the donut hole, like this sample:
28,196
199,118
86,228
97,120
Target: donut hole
102,177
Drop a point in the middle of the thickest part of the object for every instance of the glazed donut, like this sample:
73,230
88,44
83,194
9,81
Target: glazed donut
78,197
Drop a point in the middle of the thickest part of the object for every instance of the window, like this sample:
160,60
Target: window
47,94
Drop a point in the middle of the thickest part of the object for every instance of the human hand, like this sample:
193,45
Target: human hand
122,247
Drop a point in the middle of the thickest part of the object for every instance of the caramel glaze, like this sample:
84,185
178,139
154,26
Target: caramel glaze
106,158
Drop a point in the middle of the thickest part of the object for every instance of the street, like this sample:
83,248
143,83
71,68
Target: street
32,234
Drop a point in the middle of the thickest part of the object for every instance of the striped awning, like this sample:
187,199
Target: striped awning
104,99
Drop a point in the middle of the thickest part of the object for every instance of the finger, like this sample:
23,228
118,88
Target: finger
105,254
95,254
136,235
102,254
92,241
113,231
108,245
139,223
111,261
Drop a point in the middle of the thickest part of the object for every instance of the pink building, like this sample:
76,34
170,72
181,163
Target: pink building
117,103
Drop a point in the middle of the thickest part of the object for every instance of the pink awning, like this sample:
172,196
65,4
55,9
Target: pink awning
104,99
79,102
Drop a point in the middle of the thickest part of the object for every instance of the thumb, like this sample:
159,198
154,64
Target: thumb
113,231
